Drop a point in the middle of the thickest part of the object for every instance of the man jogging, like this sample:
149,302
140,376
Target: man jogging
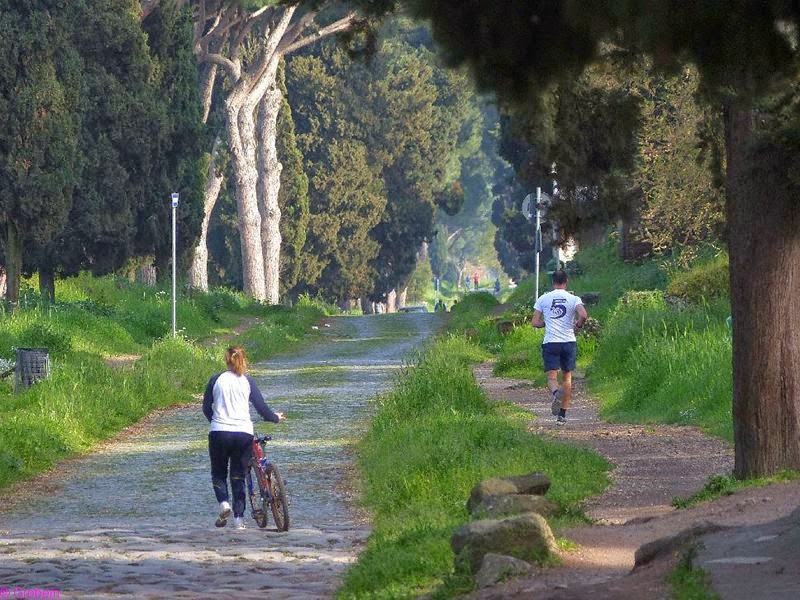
556,311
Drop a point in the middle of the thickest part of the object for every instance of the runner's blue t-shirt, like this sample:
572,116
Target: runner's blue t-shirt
558,310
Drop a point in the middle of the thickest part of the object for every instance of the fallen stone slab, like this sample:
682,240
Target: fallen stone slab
650,551
498,567
494,507
526,536
532,483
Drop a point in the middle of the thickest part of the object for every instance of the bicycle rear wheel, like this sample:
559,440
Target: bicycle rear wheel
279,504
257,503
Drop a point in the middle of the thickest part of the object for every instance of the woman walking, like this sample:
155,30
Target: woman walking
226,405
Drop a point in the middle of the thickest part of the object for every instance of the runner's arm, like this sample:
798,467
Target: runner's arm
582,316
538,319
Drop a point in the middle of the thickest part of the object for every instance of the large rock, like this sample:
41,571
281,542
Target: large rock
495,507
525,536
533,483
497,567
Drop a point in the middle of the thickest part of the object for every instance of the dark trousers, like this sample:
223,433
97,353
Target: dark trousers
236,448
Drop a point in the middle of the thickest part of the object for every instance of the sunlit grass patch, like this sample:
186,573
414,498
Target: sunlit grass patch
432,438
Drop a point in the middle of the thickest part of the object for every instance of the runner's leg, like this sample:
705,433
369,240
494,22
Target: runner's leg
566,396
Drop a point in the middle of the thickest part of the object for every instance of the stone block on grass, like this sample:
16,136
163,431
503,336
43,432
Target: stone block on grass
497,567
532,483
526,536
494,507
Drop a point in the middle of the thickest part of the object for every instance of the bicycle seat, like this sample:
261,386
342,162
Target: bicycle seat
263,438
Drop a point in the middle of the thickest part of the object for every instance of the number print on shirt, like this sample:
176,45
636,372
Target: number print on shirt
558,308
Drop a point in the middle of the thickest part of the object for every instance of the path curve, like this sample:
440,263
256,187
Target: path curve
653,464
135,517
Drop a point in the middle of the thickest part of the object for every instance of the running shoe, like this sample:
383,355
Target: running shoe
238,523
224,513
560,421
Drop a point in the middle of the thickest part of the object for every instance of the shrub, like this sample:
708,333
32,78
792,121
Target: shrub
706,281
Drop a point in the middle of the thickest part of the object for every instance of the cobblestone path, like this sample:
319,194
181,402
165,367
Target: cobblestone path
135,518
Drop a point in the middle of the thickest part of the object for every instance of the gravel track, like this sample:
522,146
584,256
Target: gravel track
135,517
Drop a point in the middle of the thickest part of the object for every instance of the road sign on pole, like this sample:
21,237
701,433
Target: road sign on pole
175,197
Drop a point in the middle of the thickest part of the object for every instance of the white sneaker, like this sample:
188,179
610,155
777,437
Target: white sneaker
224,513
238,523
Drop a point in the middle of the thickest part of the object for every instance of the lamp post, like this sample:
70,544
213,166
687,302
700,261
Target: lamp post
175,197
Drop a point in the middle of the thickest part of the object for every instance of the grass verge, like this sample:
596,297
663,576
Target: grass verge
84,400
726,485
689,582
432,438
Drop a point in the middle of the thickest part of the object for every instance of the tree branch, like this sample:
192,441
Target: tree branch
233,69
342,24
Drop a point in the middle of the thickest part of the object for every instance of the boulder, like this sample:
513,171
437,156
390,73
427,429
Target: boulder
494,507
526,536
533,483
496,568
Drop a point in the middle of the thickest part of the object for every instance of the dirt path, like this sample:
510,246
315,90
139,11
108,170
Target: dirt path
653,465
135,518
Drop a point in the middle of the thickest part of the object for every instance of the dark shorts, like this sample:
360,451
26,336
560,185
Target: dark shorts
559,355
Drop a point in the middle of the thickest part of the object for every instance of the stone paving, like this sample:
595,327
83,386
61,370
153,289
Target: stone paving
135,518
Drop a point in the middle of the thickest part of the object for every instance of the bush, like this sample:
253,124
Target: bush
472,308
703,282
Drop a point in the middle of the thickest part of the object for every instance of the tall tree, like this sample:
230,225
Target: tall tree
248,42
744,51
40,85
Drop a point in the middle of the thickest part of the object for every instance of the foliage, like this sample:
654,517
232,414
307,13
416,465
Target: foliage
421,282
114,119
432,438
471,309
706,281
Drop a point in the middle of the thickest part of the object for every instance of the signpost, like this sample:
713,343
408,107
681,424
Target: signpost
175,197
528,211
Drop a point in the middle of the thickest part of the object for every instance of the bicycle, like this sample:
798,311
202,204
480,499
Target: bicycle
265,487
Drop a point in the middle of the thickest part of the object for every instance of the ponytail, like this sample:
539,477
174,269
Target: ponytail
236,360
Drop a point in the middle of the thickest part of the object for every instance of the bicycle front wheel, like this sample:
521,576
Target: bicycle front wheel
279,504
257,495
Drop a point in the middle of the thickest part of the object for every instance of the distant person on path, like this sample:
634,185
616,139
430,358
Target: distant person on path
226,405
496,286
560,313
475,280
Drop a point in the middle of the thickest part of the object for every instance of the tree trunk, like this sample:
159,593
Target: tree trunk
367,306
269,184
240,126
13,265
402,296
47,285
391,301
198,271
764,246
2,282
146,275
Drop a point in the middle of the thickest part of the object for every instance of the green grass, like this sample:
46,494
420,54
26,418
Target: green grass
657,364
725,485
688,581
432,438
85,401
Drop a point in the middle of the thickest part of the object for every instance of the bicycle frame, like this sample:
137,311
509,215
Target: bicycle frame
261,466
